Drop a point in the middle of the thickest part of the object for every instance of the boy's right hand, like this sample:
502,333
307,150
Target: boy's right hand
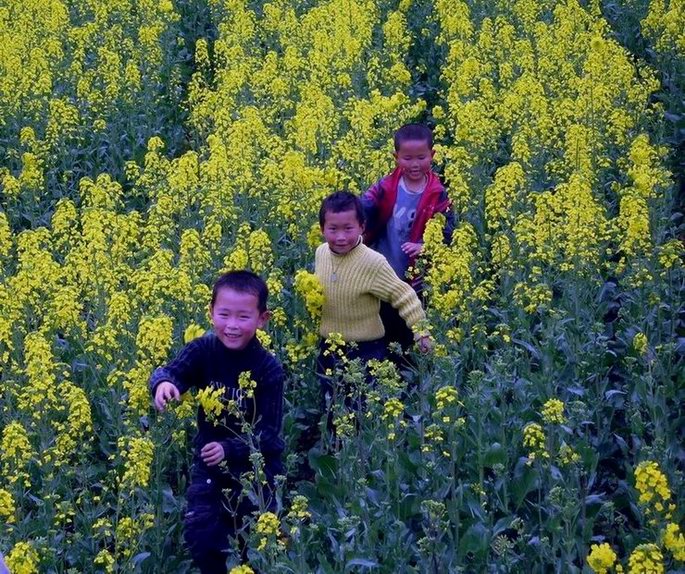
165,392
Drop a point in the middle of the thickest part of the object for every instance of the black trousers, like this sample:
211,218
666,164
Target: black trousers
328,362
396,330
214,514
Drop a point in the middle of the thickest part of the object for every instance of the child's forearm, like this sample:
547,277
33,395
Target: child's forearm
389,287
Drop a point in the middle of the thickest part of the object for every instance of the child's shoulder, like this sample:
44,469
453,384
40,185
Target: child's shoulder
267,363
371,257
321,252
205,344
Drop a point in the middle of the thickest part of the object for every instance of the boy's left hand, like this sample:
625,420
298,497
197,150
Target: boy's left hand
425,344
212,453
412,249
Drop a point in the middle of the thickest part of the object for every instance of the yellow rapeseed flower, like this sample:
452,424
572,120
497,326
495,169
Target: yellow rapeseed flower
193,331
652,486
210,400
268,526
534,440
310,288
247,384
601,558
299,509
138,462
15,453
7,507
446,396
23,559
105,561
674,541
553,412
646,559
640,343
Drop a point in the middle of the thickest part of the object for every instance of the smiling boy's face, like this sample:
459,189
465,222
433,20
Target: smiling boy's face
342,230
415,158
236,317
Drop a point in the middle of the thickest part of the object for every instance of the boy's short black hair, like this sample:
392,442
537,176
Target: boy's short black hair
338,202
413,132
243,282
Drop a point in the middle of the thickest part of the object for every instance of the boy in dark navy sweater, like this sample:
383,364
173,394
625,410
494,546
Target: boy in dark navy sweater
221,449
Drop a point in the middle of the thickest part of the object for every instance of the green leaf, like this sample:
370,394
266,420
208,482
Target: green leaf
496,454
363,562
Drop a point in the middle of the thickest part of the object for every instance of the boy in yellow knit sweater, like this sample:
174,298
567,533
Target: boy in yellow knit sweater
355,280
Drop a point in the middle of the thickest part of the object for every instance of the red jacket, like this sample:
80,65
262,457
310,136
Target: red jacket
379,202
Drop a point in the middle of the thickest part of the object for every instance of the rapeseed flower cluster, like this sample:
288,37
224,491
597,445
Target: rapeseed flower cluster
392,411
268,528
345,425
674,541
299,509
652,486
308,286
193,331
640,343
247,384
664,25
446,396
23,559
553,412
128,532
601,558
567,455
138,462
7,507
535,441
211,402
434,437
646,559
105,561
15,453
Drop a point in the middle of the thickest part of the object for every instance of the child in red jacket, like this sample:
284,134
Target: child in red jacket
397,209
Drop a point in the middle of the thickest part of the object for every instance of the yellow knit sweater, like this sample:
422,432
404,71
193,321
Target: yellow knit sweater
354,285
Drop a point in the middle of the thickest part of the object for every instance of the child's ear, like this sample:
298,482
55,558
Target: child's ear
432,153
394,154
263,319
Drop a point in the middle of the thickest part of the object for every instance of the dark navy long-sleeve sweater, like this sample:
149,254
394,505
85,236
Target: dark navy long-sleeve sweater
206,362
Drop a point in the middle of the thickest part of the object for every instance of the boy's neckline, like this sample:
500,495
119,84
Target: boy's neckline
403,183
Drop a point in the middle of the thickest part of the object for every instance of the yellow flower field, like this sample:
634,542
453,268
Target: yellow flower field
149,146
